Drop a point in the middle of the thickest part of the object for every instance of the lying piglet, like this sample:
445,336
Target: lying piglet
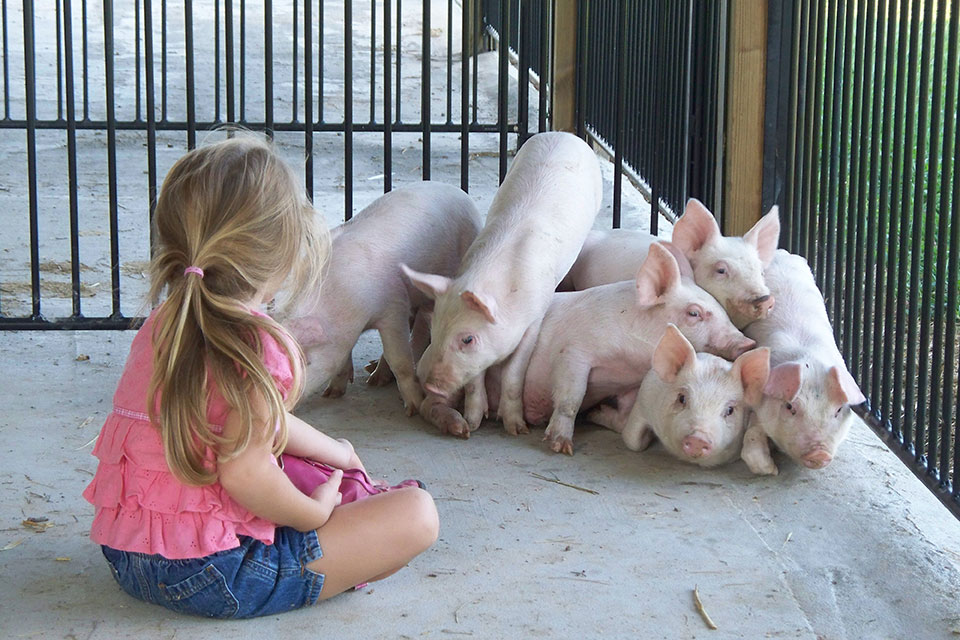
806,405
599,343
491,309
729,268
695,404
428,225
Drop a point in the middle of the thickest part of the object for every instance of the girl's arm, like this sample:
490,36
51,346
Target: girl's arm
260,486
305,441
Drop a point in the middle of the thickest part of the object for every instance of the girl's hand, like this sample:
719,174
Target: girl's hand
328,494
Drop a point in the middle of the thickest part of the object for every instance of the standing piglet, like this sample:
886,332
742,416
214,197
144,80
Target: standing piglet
806,405
729,268
599,343
428,225
695,404
492,308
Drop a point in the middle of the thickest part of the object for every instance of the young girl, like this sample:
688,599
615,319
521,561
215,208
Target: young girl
192,510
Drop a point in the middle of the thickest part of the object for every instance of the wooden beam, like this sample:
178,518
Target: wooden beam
563,87
743,160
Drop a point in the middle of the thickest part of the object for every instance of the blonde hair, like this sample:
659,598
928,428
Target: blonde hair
235,210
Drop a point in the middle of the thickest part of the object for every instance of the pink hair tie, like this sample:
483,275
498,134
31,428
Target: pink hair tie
195,270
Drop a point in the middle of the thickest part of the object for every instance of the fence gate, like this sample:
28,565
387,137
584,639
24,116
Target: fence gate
861,141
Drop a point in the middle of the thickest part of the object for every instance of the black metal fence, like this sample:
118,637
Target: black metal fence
157,74
868,179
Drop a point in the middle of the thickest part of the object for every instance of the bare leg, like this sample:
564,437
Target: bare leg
514,371
756,449
338,384
373,538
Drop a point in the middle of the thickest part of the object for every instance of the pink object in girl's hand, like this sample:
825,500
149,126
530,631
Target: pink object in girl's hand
306,475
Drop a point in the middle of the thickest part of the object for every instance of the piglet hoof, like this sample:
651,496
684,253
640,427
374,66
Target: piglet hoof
410,409
515,427
561,445
380,373
458,428
761,467
333,392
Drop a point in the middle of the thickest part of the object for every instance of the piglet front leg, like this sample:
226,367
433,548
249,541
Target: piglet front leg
475,402
756,450
395,335
514,370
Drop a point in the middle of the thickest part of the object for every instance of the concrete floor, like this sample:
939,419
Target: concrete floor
858,550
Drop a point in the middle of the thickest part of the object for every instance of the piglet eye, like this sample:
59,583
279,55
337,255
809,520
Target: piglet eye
789,407
728,412
693,313
681,399
721,270
467,340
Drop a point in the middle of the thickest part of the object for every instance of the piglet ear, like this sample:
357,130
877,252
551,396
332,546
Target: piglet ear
753,370
432,286
784,381
673,353
658,275
765,235
695,228
686,269
842,388
483,305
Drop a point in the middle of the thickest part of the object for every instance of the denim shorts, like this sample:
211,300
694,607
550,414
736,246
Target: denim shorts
254,579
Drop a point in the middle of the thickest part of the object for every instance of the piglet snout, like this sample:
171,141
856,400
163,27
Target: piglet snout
817,458
696,447
738,348
763,305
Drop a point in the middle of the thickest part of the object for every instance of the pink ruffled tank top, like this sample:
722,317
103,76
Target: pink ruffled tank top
140,505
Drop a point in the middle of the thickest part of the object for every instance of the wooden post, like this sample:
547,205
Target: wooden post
563,85
743,160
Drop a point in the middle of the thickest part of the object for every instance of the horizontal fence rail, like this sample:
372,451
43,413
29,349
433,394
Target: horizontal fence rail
96,91
872,199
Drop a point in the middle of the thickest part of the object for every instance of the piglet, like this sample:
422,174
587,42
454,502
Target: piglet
428,225
491,309
806,405
695,404
599,343
729,268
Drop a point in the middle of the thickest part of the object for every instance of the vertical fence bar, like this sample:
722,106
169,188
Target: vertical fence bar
928,416
502,98
582,52
30,82
85,56
899,240
475,40
243,59
191,87
466,32
545,16
399,57
948,409
836,222
163,60
72,160
387,101
449,61
216,60
523,72
308,95
60,64
883,305
827,127
425,89
320,61
373,59
151,112
348,108
813,134
621,70
868,208
801,71
228,47
268,66
296,60
913,421
108,54
6,62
